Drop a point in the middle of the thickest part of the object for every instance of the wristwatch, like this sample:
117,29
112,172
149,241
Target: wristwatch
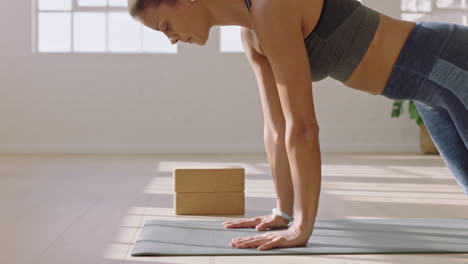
285,216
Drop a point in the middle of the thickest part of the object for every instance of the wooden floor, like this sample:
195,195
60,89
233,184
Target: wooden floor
66,209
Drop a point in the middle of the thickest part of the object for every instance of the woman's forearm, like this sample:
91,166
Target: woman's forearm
305,163
278,160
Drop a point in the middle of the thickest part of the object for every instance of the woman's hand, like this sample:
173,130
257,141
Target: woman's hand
292,237
272,221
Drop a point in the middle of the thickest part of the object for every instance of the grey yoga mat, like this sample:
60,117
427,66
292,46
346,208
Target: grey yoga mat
340,236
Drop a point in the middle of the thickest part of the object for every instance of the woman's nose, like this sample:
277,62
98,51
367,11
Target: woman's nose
173,39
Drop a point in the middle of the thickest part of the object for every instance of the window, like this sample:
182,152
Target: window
451,11
95,26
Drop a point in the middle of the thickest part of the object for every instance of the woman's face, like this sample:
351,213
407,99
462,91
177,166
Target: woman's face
186,21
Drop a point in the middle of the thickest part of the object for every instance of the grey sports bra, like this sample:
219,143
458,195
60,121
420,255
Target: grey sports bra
340,39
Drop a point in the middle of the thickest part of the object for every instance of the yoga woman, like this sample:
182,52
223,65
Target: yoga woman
292,43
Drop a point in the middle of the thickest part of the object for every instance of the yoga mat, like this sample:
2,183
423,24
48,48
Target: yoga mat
338,236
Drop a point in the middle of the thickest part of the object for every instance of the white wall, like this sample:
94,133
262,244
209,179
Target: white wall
198,100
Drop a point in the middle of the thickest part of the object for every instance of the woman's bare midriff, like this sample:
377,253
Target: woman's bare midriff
376,66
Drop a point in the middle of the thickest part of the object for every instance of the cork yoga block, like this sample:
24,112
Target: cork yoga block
209,191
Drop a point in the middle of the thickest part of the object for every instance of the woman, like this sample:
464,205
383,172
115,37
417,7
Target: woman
291,44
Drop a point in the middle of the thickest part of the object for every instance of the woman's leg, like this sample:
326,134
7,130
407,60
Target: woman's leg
432,70
458,112
442,101
448,141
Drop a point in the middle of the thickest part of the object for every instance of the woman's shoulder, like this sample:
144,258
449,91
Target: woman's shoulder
268,16
291,13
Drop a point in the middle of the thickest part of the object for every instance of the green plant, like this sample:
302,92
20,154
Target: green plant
412,110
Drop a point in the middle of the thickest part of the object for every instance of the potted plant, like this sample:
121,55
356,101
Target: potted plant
425,141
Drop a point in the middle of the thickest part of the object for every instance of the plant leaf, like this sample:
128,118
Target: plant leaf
397,108
413,111
419,121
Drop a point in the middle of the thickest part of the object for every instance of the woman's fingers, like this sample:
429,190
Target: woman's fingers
263,226
291,237
260,223
243,239
243,222
271,244
248,242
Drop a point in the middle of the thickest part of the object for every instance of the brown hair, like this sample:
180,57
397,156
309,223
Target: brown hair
136,6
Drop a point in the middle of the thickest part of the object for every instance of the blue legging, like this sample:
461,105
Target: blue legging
432,70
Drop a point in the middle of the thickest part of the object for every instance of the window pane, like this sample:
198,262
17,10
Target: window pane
89,32
231,39
92,2
55,5
54,32
451,3
416,5
122,3
416,17
124,33
156,42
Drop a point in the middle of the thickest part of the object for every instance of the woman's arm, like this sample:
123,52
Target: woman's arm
274,124
278,26
305,161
